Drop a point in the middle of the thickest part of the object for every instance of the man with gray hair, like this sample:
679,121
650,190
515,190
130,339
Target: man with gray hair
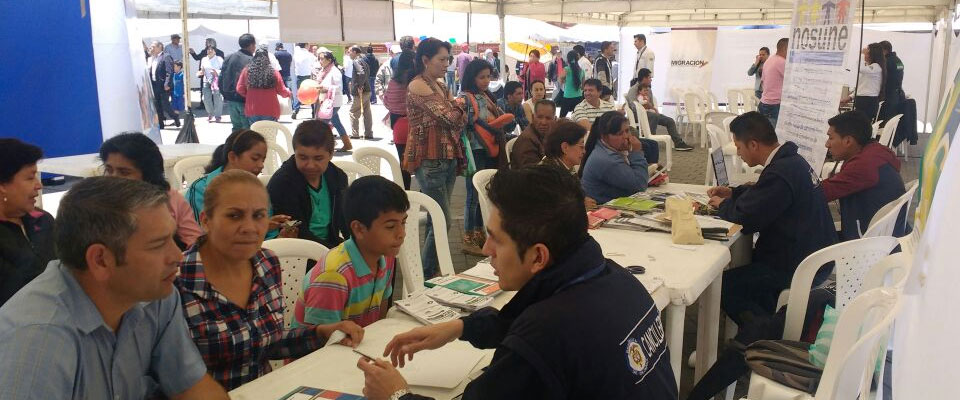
104,321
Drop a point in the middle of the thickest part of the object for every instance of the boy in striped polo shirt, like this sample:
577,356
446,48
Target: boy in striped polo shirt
353,280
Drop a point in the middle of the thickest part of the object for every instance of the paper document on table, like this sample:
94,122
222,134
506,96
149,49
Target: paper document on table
445,367
483,270
426,310
453,298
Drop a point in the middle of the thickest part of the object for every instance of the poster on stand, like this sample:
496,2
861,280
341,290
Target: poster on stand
820,37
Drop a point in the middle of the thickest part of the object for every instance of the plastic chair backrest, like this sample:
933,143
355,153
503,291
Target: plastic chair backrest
294,255
694,110
712,103
409,259
852,260
884,222
857,340
749,100
370,157
270,130
717,118
480,180
354,170
188,170
726,125
876,128
886,137
265,179
876,117
509,147
733,101
275,157
714,132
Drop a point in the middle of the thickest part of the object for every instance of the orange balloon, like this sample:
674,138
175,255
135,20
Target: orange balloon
308,94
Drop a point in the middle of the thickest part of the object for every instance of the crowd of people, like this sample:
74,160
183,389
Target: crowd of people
136,289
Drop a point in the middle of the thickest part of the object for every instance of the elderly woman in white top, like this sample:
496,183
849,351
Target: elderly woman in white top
870,85
212,100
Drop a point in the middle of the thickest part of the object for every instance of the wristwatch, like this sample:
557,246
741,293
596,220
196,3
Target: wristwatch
398,394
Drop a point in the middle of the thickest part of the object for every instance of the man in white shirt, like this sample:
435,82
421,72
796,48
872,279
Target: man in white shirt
585,65
592,107
644,55
174,49
303,63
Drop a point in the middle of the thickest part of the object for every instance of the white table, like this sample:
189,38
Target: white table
334,367
689,273
87,165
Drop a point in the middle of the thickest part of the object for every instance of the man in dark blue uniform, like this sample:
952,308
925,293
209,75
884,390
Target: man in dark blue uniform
579,327
786,206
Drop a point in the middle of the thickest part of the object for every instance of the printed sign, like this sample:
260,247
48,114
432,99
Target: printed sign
818,46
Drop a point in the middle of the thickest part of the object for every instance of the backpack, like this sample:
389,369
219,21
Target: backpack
786,362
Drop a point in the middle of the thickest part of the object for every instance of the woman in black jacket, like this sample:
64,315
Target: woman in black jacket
26,232
309,188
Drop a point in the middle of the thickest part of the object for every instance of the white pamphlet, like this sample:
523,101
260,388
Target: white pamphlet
459,300
426,310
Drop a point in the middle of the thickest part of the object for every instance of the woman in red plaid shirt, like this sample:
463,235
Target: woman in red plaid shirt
231,288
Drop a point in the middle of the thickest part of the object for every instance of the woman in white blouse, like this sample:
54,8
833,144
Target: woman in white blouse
331,84
212,100
869,88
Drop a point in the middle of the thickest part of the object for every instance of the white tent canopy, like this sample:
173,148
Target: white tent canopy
678,12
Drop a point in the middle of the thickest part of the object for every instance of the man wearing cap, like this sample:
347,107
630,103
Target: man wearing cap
174,49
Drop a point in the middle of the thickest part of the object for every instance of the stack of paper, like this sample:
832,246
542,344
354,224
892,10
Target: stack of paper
459,300
632,204
426,310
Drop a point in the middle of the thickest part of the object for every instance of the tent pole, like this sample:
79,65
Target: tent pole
503,42
186,52
926,108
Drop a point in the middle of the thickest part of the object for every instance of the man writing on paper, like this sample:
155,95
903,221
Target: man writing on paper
786,206
538,244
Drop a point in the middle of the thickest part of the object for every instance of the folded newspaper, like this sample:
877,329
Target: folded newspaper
459,300
426,310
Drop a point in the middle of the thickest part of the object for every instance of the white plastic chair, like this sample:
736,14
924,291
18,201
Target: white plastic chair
750,100
876,117
884,221
409,260
265,179
695,115
354,170
713,132
509,148
886,136
188,170
852,260
647,132
858,338
733,101
275,157
293,255
370,157
270,130
480,180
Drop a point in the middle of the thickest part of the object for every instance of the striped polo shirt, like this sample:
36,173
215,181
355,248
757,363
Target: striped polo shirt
590,113
342,287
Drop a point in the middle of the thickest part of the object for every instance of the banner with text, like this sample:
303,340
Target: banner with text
691,59
819,41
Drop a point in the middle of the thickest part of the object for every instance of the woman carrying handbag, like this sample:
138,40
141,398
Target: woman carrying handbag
331,96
